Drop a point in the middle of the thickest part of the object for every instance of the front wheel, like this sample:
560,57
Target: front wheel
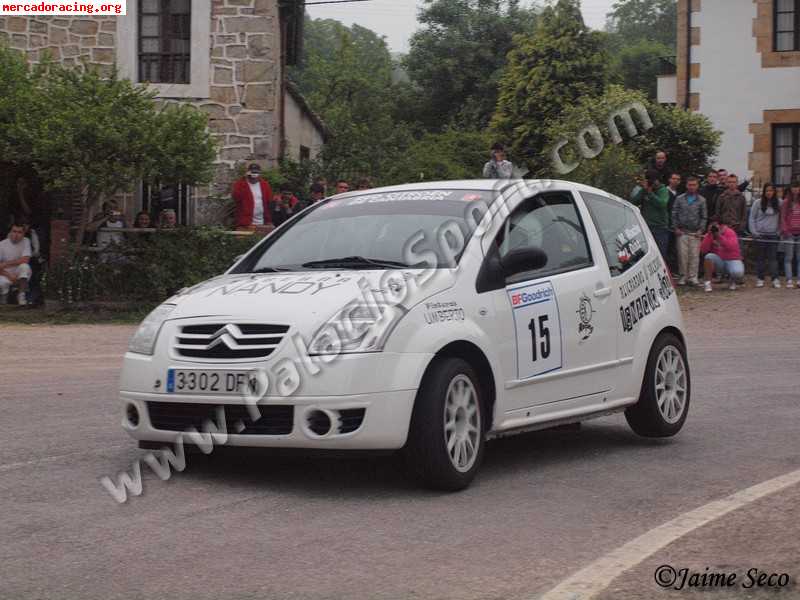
446,438
664,399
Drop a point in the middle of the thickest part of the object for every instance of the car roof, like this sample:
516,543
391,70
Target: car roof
478,185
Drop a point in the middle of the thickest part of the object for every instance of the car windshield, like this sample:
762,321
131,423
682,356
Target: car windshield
381,230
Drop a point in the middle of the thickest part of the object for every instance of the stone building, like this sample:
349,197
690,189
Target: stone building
739,64
227,57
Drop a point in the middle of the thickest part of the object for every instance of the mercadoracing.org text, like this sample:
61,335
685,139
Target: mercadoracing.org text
63,8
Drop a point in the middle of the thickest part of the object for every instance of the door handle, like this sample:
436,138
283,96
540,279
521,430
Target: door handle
602,293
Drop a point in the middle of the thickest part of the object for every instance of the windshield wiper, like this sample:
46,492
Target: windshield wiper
355,262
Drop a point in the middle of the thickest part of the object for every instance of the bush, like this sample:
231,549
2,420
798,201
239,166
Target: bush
148,268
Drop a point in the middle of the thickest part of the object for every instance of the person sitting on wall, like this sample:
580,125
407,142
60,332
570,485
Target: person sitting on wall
15,256
252,196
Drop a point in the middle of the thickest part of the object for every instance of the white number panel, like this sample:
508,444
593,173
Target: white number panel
537,325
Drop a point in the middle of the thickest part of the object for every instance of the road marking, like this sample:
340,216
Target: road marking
596,577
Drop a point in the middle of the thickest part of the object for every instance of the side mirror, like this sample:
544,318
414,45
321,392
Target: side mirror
237,259
522,260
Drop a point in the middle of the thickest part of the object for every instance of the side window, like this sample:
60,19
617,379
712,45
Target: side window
551,223
619,229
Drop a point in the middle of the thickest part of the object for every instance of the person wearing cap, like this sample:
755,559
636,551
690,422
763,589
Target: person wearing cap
252,195
498,167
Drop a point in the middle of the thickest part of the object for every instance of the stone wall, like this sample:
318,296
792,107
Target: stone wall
69,40
244,92
244,74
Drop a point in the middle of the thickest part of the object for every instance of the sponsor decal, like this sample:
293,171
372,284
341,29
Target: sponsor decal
629,244
395,197
280,285
585,313
650,300
531,295
443,312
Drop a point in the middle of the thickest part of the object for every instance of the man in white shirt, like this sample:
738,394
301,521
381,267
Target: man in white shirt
15,254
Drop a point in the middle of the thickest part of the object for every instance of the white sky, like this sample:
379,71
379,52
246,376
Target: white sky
397,19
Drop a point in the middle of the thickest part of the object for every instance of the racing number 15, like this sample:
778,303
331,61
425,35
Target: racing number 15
543,335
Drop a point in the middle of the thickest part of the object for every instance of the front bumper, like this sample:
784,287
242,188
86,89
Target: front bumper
386,417
365,399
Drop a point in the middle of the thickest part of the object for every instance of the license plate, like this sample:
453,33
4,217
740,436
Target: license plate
223,383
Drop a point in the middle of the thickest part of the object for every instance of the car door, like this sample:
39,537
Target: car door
557,323
634,267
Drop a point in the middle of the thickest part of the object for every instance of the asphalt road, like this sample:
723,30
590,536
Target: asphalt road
250,525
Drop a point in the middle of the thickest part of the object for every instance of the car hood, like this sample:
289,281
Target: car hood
306,299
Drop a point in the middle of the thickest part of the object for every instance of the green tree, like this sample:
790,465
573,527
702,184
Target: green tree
457,57
637,66
688,137
347,78
636,20
451,154
93,136
561,63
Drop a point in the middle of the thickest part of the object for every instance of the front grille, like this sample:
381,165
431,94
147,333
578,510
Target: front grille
351,419
228,341
180,416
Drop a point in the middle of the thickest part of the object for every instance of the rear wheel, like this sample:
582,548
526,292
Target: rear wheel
666,390
446,438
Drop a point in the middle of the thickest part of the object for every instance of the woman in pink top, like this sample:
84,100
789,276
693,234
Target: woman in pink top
723,257
790,228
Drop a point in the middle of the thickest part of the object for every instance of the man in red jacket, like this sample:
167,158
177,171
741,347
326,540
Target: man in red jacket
252,195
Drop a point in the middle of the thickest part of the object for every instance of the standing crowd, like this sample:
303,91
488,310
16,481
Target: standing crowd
712,220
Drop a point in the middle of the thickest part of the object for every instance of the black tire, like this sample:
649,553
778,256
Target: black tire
645,417
425,454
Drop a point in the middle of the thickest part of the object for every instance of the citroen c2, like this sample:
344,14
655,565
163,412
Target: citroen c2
426,319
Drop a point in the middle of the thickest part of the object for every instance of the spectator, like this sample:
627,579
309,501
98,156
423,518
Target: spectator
365,183
498,167
15,256
637,189
106,236
790,227
167,219
98,221
672,188
711,191
653,200
689,218
34,287
765,227
322,182
672,248
342,187
282,207
723,178
722,255
732,206
252,196
142,220
659,165
317,193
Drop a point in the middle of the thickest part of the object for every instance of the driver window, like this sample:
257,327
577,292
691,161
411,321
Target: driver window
551,223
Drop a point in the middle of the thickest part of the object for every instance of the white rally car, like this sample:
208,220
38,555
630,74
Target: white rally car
425,318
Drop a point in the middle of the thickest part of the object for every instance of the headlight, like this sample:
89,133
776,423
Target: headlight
144,340
357,328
